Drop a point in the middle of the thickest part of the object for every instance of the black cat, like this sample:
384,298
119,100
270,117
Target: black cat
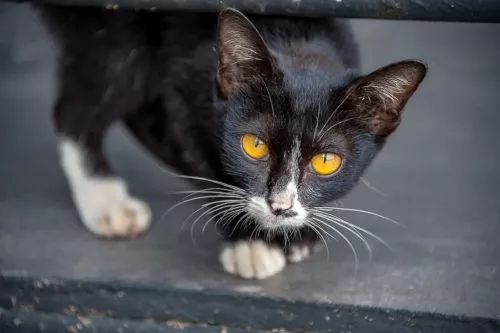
270,115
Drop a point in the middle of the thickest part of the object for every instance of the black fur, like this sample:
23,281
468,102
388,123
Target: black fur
162,75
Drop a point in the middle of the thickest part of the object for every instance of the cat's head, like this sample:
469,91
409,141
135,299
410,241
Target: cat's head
298,137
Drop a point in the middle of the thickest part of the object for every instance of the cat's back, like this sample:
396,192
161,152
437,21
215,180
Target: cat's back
325,39
164,39
310,41
190,35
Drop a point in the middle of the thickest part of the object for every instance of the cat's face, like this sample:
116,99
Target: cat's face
297,138
288,156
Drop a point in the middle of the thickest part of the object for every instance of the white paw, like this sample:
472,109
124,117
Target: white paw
297,253
109,211
104,204
252,259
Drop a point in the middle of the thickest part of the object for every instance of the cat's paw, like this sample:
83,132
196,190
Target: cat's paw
301,251
252,259
104,204
297,253
108,211
128,218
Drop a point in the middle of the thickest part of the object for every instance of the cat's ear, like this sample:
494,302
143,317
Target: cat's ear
379,97
243,54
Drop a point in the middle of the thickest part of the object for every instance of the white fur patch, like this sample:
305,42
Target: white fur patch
103,203
252,259
297,253
259,209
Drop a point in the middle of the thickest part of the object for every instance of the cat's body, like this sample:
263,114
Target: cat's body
193,89
169,61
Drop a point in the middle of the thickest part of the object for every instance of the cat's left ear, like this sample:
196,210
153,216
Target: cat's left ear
243,54
379,97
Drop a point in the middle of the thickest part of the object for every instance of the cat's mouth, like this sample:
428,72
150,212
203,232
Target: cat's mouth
293,217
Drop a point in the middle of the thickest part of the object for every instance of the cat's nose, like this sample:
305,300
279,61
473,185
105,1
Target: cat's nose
282,204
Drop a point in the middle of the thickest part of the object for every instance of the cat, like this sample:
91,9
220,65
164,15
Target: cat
269,114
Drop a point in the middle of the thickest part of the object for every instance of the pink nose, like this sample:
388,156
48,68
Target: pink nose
281,202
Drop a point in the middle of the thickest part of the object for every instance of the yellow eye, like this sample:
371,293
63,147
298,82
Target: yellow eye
254,147
326,163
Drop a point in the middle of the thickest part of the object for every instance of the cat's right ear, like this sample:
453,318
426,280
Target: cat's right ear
379,98
243,54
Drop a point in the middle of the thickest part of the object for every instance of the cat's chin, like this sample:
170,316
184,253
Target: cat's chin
280,225
259,210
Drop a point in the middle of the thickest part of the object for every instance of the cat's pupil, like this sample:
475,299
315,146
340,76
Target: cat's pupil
257,142
325,157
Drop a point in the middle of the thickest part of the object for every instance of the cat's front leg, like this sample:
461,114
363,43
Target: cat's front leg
262,256
94,93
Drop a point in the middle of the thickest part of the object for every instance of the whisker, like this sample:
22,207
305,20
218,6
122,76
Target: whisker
230,218
242,218
336,124
353,231
286,239
206,180
208,204
270,99
319,231
227,195
317,121
359,211
255,230
371,187
220,204
216,195
183,202
344,238
213,190
204,189
268,235
324,231
336,109
222,214
210,210
352,225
